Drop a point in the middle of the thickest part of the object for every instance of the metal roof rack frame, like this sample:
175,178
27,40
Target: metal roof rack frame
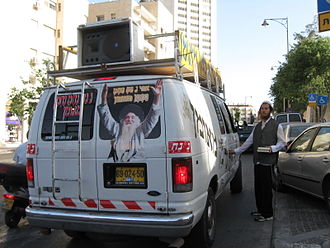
187,63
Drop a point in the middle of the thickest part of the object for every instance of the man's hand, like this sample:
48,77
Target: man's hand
157,91
230,151
105,94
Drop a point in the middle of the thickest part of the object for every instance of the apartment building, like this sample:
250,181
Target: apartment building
197,18
152,16
243,112
32,31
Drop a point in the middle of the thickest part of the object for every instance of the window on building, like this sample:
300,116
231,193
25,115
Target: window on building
100,18
59,7
112,16
52,5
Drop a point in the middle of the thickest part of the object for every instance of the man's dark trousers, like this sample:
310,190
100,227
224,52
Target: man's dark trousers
263,189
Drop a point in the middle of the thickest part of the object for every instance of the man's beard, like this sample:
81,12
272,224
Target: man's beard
125,137
265,117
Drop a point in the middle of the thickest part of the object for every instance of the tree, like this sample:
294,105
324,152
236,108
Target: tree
307,70
24,101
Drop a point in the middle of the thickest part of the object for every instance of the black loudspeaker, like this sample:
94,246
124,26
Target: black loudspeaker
110,42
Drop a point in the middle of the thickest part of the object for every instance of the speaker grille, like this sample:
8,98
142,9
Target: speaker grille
106,44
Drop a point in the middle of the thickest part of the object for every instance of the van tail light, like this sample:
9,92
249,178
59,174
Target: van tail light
182,174
9,196
30,172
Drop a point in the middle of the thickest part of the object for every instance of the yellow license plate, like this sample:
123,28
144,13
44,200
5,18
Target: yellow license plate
129,176
7,204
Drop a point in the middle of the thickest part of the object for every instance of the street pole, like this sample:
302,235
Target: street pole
284,21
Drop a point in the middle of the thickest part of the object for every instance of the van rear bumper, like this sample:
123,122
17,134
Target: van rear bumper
156,225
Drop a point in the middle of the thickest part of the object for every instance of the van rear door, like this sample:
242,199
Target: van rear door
65,164
130,151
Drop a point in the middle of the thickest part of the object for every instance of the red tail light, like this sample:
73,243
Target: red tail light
9,196
29,172
105,78
182,174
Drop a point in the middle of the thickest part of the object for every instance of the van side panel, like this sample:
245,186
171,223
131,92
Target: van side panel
188,119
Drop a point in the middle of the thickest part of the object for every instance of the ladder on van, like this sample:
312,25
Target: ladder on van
55,148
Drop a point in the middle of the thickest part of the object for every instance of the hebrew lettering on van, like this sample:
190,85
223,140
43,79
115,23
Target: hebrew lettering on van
128,115
203,130
68,106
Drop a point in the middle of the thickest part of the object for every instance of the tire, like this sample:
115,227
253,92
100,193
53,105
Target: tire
327,195
12,219
75,234
203,234
236,184
277,183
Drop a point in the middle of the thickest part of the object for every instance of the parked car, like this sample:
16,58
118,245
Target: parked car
288,117
306,164
293,129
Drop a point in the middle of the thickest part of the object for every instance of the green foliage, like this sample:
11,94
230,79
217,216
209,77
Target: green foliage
307,70
24,101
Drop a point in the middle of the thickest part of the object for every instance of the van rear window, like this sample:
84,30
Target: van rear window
67,117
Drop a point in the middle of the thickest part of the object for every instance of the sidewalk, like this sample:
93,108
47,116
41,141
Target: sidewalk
301,221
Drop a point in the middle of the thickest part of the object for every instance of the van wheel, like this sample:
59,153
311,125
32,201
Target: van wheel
12,219
203,234
75,234
236,184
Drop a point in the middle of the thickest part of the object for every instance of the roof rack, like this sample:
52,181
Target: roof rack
187,63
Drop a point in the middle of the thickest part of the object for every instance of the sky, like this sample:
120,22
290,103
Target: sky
247,51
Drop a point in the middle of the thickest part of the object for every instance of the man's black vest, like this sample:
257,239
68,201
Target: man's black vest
265,137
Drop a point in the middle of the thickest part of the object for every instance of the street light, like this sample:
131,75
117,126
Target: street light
285,23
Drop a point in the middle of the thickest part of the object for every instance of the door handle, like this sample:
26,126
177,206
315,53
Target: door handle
300,158
325,160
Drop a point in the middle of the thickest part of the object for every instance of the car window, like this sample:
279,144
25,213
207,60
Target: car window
216,104
301,144
281,118
296,130
322,140
227,116
294,117
67,116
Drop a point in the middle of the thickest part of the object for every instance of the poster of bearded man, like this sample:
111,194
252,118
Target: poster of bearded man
129,115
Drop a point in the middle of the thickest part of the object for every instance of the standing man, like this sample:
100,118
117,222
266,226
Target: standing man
267,139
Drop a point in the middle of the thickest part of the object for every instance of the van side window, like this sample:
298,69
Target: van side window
68,109
216,104
227,116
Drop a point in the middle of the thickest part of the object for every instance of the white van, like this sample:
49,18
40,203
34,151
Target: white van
137,155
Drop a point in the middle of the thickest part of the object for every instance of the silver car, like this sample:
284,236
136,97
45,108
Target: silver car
293,129
306,163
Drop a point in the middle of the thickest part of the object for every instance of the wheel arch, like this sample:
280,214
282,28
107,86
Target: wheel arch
214,184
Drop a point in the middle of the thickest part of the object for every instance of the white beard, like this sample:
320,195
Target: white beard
124,141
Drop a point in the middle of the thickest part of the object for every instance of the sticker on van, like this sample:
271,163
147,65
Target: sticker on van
128,115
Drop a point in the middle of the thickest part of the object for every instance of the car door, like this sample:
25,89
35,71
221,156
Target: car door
316,162
291,162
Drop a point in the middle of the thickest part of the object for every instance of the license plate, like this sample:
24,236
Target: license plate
129,176
7,204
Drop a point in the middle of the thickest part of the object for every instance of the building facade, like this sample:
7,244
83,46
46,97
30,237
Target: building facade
152,16
31,37
243,113
197,18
